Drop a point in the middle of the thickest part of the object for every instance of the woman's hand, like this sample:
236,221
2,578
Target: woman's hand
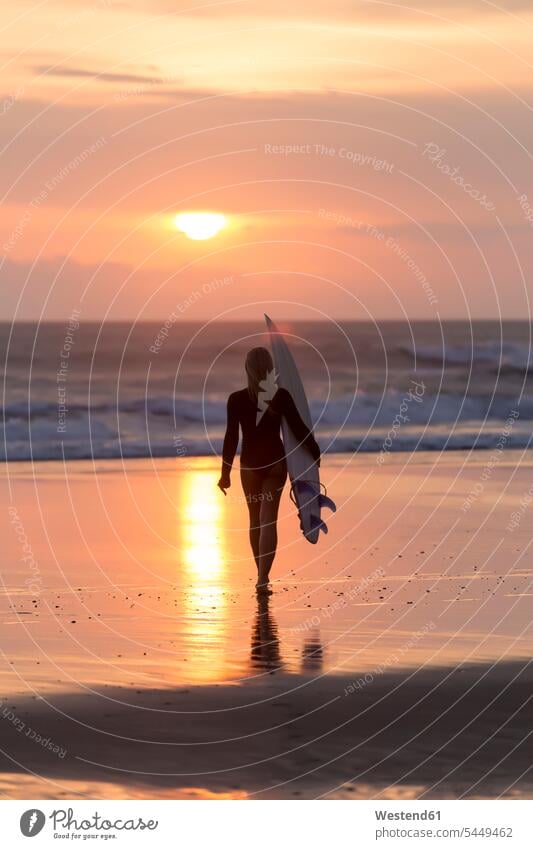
224,483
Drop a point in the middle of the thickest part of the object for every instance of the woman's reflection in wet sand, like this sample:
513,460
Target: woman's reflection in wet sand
265,652
312,654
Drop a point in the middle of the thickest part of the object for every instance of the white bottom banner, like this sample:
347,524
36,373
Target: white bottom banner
268,824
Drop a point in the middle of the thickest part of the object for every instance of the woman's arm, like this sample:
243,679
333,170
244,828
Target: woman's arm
231,441
284,404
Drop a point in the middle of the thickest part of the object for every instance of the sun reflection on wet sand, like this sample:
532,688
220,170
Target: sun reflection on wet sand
203,559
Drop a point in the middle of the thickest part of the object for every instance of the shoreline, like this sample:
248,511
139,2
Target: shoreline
473,450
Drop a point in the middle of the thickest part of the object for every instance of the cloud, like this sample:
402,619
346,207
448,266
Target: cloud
336,11
499,7
50,289
102,76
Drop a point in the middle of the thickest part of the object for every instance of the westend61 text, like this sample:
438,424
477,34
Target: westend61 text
407,815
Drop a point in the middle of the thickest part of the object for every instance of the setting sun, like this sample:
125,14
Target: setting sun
200,225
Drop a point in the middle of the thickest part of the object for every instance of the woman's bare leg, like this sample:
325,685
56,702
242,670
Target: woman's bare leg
255,530
252,489
268,519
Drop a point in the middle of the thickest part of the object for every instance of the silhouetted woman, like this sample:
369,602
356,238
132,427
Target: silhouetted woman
258,410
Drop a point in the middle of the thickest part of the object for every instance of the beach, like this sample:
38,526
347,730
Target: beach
391,661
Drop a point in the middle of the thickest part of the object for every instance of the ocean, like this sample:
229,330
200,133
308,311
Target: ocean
81,389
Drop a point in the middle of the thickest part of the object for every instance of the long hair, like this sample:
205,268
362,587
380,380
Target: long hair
257,364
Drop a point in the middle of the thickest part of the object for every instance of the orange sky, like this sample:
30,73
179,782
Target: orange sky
373,159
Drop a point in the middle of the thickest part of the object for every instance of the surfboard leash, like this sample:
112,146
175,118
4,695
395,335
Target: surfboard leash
323,488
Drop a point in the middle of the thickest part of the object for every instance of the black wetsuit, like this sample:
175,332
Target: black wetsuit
262,448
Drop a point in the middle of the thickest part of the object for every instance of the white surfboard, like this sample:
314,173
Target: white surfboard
303,470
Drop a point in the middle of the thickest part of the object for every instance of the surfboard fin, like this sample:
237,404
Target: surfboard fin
317,522
325,501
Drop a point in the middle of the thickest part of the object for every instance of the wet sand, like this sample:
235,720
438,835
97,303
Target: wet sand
392,659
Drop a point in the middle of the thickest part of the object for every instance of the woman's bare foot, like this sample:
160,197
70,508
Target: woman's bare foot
263,589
